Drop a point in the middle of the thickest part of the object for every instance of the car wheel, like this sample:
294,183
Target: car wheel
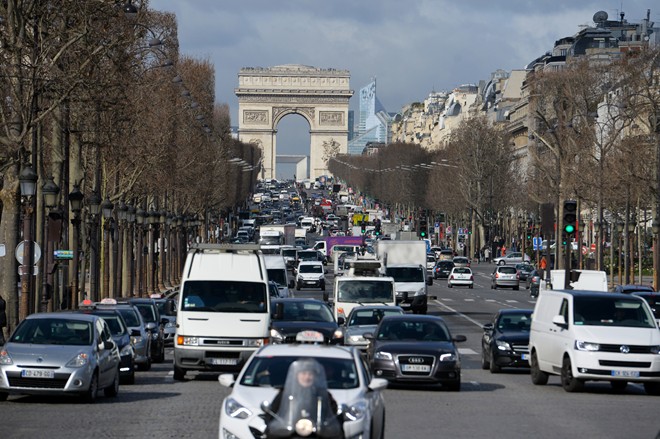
92,391
130,379
485,364
179,374
113,389
494,368
619,386
501,263
492,286
539,377
568,381
322,287
3,396
471,286
652,389
449,285
516,288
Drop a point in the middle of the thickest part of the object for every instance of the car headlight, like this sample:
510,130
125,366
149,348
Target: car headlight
182,340
502,345
338,333
654,350
79,360
136,340
255,342
170,325
356,411
235,410
380,355
126,350
581,345
276,336
356,339
420,292
5,358
154,336
448,357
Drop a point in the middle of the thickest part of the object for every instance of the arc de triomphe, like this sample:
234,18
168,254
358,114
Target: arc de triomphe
266,95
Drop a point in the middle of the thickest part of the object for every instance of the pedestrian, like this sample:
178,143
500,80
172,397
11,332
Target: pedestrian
544,264
487,255
3,320
476,256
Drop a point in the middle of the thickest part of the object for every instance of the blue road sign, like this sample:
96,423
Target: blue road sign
537,243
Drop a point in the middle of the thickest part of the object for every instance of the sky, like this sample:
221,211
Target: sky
411,47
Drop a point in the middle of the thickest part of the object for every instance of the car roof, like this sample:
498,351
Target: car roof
311,263
510,311
297,300
414,318
64,315
305,350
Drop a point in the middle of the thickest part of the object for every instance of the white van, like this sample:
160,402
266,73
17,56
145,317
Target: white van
223,313
277,272
594,336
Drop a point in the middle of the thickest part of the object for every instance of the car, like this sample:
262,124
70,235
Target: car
121,335
430,261
630,289
533,283
446,255
415,348
505,342
149,310
460,276
60,353
291,316
442,269
349,381
461,261
310,274
167,310
512,258
505,276
140,332
524,270
653,299
363,319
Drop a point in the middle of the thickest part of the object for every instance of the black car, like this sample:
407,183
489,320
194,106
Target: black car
505,342
156,325
629,289
653,299
533,283
121,335
413,348
291,316
524,270
442,269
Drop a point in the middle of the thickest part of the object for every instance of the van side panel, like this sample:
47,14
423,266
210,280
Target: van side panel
543,331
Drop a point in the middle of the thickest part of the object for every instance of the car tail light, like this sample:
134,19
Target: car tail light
517,275
451,277
471,277
497,275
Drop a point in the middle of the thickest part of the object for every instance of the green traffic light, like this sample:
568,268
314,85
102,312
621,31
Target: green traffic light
569,228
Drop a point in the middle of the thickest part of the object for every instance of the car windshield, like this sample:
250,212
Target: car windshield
412,331
303,312
130,317
406,274
115,324
289,253
147,311
57,331
365,317
514,322
310,268
462,270
446,265
271,372
604,311
365,291
308,255
162,308
277,275
507,270
224,296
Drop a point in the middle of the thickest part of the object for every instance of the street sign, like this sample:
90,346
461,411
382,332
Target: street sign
63,254
448,230
20,250
2,250
537,243
593,247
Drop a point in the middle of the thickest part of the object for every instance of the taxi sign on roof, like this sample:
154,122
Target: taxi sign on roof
309,337
108,301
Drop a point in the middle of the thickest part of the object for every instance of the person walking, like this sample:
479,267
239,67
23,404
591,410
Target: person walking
3,320
487,255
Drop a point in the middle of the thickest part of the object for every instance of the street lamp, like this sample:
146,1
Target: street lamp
631,258
94,203
140,215
28,184
162,218
118,249
152,220
619,230
106,208
49,191
75,200
130,220
655,225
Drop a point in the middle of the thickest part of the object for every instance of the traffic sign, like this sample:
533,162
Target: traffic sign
2,250
593,247
448,230
537,242
63,254
20,251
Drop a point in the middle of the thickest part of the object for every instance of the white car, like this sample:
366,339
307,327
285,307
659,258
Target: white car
310,274
512,258
460,276
349,382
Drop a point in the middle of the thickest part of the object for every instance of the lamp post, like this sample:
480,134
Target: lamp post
170,250
130,250
599,241
152,219
49,191
140,215
75,200
631,251
106,208
619,229
122,212
28,184
162,218
656,253
94,203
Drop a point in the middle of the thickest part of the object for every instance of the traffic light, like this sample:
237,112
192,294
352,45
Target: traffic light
363,226
377,227
423,228
570,217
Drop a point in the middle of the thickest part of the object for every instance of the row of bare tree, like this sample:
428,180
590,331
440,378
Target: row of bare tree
592,133
95,95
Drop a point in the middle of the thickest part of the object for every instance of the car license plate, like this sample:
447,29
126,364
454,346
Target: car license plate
224,361
415,368
625,373
37,373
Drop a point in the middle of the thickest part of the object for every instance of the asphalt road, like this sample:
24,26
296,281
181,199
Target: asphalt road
488,405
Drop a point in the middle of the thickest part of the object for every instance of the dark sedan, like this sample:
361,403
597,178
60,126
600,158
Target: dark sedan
442,269
630,289
524,270
291,316
533,283
505,342
415,349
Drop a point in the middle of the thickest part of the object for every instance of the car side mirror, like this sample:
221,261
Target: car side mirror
488,327
108,344
368,336
164,321
135,333
341,320
226,379
150,326
560,321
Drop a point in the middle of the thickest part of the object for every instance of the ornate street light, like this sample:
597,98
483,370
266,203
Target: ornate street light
28,184
94,203
75,200
140,216
655,225
619,229
106,210
49,191
630,277
118,249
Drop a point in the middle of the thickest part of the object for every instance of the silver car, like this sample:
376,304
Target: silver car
505,276
363,319
60,354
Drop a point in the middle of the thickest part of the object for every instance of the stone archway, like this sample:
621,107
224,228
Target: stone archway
266,95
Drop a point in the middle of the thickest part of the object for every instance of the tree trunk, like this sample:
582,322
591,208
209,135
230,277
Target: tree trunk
9,236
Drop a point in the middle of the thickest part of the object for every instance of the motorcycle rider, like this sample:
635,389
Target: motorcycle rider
304,407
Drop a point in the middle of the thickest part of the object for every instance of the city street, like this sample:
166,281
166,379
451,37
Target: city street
488,405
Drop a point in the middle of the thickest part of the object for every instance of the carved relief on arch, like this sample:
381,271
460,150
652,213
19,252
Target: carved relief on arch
255,116
305,111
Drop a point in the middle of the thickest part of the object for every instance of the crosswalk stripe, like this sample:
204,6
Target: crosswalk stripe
511,301
490,300
466,351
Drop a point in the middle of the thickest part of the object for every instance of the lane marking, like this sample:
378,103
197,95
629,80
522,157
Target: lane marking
469,300
466,351
447,299
491,300
511,301
468,318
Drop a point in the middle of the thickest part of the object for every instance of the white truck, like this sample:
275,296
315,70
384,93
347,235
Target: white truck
405,261
223,313
586,280
277,234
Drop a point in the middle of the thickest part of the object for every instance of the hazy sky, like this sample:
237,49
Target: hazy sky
410,46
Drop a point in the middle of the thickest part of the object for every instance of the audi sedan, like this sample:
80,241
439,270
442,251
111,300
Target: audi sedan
60,353
505,342
415,349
